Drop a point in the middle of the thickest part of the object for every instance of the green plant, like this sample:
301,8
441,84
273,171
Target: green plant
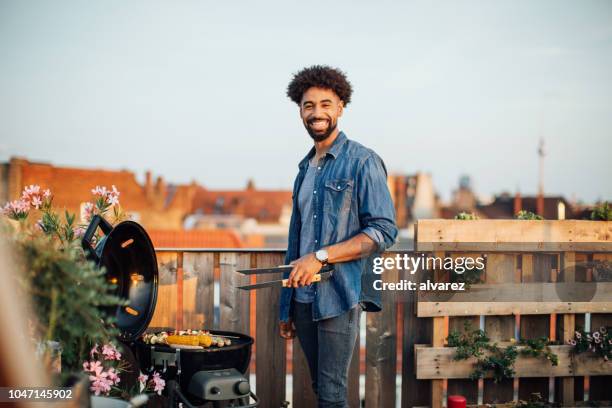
491,358
602,212
68,293
598,342
528,215
466,216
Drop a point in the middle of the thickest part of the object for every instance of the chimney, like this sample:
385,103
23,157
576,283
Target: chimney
250,185
518,203
540,204
148,187
161,188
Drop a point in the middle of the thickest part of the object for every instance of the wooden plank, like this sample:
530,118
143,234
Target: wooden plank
270,356
438,363
600,386
560,292
199,266
380,349
234,302
514,235
439,336
416,330
532,326
568,274
467,388
435,309
303,396
165,308
500,271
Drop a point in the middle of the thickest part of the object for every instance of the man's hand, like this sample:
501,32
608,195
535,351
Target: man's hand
287,330
304,270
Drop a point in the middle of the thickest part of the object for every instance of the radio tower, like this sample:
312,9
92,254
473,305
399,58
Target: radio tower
540,199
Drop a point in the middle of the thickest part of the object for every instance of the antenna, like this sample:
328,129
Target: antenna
540,199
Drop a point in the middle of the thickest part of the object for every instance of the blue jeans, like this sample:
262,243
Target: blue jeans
328,346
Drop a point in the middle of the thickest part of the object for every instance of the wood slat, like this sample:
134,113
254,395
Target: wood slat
381,345
416,330
500,271
199,303
270,347
559,292
568,274
439,336
514,235
165,308
438,363
234,302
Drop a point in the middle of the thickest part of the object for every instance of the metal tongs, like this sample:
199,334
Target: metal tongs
324,274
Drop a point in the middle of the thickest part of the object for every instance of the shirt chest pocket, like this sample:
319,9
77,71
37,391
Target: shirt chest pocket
338,195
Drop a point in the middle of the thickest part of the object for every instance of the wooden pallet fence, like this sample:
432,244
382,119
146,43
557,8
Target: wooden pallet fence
529,289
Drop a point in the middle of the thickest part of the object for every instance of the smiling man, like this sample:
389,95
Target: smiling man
342,216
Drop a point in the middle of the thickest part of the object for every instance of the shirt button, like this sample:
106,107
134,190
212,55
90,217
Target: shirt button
338,187
315,215
319,168
314,192
316,241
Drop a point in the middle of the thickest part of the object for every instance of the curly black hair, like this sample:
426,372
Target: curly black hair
321,76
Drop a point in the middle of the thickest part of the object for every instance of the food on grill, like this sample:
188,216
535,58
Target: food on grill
205,340
187,338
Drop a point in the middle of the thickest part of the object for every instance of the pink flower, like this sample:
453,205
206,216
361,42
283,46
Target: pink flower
142,380
110,352
17,209
158,383
94,350
36,202
96,368
88,211
572,342
47,193
99,191
113,376
578,335
113,196
79,232
596,335
100,384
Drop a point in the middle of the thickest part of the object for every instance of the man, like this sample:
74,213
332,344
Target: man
342,215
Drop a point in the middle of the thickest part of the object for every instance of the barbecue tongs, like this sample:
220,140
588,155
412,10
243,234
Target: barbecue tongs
324,274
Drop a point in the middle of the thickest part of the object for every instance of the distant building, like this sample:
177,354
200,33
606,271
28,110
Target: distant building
257,217
507,206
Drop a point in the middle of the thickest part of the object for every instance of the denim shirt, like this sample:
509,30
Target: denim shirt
350,196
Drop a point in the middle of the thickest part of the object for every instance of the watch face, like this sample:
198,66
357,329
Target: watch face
321,255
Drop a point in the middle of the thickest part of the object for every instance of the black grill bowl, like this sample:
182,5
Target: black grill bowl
237,355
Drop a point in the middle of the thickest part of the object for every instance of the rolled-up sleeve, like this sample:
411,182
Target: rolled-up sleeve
376,209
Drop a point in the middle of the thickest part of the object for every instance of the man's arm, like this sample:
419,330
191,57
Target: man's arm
377,219
306,267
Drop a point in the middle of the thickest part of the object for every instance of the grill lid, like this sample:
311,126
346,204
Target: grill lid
127,253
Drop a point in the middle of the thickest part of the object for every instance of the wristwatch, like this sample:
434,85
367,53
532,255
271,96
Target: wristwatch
322,256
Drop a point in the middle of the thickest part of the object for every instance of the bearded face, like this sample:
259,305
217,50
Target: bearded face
320,110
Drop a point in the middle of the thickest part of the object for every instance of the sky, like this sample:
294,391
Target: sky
195,90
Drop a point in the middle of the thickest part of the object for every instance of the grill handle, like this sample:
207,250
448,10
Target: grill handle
105,226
